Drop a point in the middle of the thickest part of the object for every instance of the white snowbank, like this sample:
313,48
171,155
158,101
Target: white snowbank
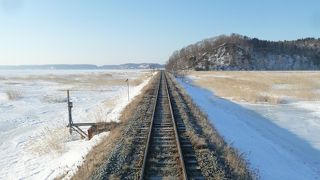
280,141
27,118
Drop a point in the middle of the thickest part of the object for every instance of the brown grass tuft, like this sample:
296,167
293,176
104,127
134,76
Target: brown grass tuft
51,141
99,116
14,94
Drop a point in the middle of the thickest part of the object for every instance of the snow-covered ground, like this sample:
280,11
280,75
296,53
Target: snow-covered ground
34,143
280,141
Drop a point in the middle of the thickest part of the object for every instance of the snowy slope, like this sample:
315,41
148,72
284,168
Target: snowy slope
279,141
41,110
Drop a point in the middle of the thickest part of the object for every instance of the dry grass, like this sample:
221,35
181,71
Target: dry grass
198,142
256,87
51,141
90,81
111,102
13,94
98,154
99,116
227,162
54,99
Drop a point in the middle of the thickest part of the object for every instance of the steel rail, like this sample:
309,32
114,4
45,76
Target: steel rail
184,172
150,130
181,161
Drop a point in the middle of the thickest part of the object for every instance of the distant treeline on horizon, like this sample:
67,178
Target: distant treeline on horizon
83,66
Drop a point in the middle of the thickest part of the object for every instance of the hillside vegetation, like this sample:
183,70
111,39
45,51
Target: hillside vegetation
237,52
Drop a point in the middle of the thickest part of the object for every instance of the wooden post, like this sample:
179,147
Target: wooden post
70,114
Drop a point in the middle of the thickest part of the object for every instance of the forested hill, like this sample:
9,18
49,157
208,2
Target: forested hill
237,52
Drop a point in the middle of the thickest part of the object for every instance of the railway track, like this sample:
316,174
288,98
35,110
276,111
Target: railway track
168,152
165,136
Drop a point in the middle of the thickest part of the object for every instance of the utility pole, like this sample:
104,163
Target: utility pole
70,105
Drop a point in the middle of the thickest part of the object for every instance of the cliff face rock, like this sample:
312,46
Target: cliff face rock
237,52
225,57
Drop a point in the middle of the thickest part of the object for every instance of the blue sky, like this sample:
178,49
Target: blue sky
118,31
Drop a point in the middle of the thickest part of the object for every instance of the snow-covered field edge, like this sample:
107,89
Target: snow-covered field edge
77,155
34,141
278,141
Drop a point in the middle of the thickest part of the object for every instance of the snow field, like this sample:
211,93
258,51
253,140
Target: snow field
34,143
280,141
